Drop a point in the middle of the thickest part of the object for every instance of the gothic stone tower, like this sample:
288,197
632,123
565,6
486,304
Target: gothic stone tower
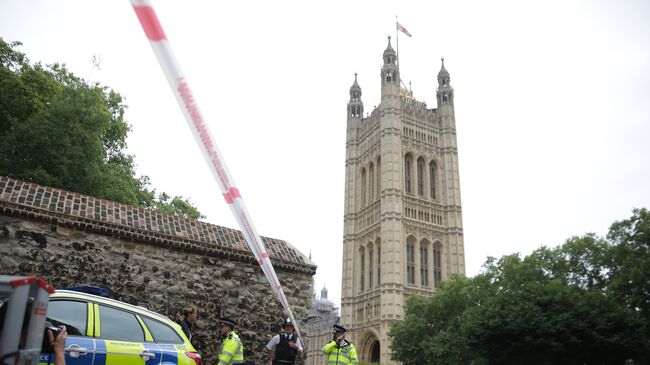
403,217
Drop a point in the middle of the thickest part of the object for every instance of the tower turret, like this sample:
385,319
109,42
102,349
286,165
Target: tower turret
355,105
389,73
323,293
445,93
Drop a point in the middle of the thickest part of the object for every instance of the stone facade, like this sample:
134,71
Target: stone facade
322,315
403,231
158,261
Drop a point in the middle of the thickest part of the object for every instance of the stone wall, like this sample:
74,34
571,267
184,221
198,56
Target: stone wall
152,268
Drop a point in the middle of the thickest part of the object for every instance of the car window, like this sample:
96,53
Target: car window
72,314
119,325
161,332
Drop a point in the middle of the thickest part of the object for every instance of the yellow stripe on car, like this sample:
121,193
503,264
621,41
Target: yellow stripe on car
91,319
124,353
98,331
147,334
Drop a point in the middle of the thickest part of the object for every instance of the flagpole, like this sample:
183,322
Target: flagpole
397,40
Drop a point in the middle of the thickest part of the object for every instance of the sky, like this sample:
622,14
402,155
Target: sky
552,104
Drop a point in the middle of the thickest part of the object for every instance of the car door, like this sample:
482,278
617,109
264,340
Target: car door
122,339
74,314
173,347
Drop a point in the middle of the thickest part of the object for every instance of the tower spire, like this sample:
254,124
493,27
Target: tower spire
445,93
389,72
355,105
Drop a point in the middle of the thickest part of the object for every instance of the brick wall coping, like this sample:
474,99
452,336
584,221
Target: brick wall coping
84,212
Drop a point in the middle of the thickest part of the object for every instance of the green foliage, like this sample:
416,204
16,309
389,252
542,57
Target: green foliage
176,205
58,130
585,302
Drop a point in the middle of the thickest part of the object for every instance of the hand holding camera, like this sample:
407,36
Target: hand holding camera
56,338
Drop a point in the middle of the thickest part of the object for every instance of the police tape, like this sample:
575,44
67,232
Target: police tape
163,51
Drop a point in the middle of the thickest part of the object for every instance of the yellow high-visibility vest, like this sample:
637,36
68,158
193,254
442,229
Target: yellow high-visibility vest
232,350
344,354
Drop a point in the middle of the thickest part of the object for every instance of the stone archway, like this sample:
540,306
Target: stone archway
375,350
370,349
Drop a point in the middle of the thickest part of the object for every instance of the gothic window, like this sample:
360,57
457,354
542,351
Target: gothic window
371,178
371,265
378,261
379,177
424,263
362,265
407,173
437,265
432,179
410,261
363,187
389,76
444,99
420,176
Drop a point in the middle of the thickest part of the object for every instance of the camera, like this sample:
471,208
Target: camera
46,346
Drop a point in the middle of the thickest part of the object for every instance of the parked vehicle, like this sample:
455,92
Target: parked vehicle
104,331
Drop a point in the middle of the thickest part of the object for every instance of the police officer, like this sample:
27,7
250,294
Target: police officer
340,350
285,347
232,350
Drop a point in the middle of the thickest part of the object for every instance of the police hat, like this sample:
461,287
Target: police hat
337,328
228,322
287,322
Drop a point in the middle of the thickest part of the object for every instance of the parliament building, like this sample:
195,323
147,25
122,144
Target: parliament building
403,231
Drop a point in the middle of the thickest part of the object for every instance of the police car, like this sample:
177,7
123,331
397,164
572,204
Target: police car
104,331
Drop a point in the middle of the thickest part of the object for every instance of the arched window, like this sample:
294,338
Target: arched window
379,177
420,176
407,173
362,265
424,263
378,261
363,187
432,179
371,265
410,261
437,265
371,178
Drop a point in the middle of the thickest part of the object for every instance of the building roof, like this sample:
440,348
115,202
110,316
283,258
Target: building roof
139,224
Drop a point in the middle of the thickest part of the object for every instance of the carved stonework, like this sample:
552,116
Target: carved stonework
401,125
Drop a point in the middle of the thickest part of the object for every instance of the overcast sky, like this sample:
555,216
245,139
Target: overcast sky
552,101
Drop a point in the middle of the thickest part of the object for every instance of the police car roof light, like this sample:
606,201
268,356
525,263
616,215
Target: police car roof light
88,289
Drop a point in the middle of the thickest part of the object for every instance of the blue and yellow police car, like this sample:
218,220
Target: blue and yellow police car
103,331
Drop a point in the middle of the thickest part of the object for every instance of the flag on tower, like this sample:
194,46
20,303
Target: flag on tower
401,28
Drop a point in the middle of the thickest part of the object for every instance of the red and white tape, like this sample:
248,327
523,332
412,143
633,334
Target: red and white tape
181,89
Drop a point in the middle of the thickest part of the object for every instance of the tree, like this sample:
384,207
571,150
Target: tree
58,130
584,302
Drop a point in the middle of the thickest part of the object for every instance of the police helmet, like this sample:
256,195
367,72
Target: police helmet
287,322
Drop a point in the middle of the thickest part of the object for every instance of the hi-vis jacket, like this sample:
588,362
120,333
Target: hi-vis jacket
344,354
232,350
